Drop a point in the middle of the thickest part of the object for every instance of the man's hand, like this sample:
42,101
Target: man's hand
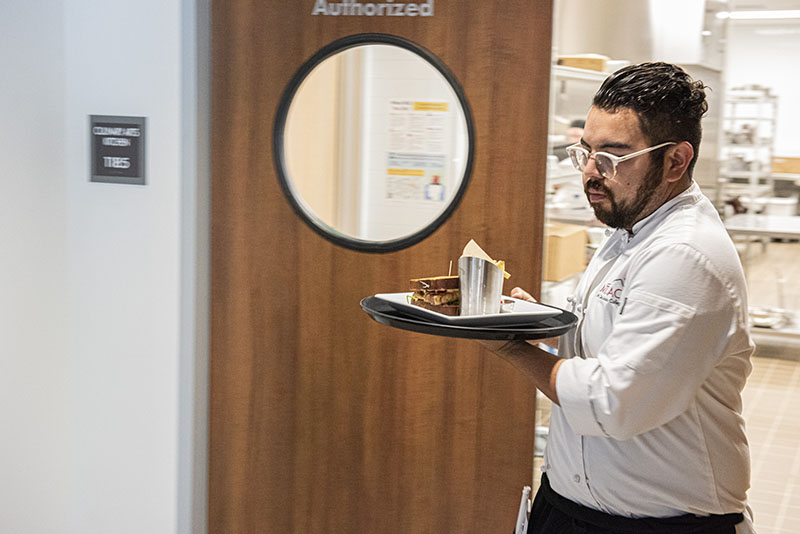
519,293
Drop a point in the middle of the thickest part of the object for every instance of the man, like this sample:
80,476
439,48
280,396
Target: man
646,432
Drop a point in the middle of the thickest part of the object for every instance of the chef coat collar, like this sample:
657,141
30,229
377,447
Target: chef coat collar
691,193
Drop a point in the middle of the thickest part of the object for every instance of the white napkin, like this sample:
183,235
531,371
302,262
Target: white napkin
474,250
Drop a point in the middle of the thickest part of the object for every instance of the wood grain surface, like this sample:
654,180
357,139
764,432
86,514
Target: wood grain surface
322,420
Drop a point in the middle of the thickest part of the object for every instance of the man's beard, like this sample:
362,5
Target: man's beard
624,214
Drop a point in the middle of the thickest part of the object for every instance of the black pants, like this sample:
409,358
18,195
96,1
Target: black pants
553,514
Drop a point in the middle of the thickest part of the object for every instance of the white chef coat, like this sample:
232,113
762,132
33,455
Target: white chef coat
650,419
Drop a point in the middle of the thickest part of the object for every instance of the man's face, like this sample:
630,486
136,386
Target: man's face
635,191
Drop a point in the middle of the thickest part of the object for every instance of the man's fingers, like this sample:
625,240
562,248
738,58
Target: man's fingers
519,293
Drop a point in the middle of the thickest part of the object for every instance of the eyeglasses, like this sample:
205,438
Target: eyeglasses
606,163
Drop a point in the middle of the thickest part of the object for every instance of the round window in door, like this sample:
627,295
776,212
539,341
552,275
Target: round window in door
373,142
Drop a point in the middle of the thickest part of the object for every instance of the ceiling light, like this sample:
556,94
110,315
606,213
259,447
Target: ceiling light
760,15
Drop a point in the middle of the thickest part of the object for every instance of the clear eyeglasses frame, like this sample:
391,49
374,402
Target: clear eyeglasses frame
606,163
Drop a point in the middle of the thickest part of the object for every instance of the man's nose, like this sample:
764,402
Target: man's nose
590,170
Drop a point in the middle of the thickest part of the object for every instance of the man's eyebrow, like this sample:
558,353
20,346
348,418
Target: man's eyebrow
607,145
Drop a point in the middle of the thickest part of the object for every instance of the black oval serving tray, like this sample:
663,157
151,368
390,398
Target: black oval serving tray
547,327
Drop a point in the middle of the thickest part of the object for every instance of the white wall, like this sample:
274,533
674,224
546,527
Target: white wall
766,53
101,395
33,410
123,58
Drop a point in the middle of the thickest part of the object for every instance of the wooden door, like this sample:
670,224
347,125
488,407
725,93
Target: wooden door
322,420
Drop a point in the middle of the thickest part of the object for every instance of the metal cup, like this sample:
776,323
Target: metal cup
481,286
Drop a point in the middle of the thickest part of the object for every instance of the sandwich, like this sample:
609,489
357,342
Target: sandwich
439,293
442,293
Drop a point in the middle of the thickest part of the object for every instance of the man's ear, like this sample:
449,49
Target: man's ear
676,161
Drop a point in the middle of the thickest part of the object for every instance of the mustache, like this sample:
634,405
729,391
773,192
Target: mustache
594,184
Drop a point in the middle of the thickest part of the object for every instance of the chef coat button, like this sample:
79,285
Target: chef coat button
577,478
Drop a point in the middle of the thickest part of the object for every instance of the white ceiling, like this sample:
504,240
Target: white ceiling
763,4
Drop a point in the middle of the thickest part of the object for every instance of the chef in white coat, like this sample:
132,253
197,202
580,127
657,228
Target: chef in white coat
646,431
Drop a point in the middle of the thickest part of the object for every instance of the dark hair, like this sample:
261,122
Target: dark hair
668,102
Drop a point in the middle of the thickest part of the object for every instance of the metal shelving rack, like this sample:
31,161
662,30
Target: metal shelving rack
748,125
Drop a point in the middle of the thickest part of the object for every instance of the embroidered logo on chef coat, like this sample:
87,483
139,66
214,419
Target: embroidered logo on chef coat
611,292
